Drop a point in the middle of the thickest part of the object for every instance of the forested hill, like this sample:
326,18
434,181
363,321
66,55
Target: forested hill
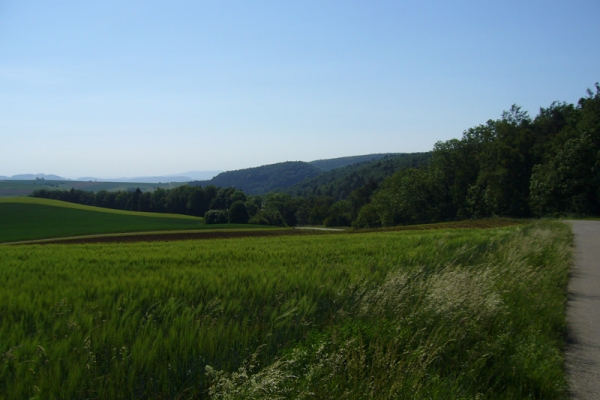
280,176
333,163
260,180
515,166
340,182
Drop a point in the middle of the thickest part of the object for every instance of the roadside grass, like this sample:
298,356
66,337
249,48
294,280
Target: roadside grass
443,314
484,223
32,218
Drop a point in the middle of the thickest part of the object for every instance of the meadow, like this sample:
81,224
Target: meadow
28,218
445,314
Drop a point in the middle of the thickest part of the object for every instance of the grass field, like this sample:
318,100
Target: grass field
33,218
443,314
16,188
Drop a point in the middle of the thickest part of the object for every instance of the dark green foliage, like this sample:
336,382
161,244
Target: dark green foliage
283,205
407,198
238,213
216,217
313,210
514,166
186,200
568,181
340,214
334,163
367,217
339,183
259,219
264,179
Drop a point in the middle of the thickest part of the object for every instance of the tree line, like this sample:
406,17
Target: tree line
515,166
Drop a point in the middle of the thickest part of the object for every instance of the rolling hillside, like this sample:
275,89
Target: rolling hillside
32,218
334,163
264,179
299,178
338,183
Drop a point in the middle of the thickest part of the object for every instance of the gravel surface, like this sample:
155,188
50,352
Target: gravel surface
583,313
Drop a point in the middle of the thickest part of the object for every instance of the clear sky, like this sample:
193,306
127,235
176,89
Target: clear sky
129,88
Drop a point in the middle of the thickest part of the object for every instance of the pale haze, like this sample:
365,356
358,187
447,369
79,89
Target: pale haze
132,88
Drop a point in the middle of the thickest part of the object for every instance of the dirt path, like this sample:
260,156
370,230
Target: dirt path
583,313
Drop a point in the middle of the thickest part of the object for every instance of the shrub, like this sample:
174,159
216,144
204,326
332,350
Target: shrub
216,217
238,213
367,217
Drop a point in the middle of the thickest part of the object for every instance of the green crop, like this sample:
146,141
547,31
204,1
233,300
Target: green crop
444,314
32,218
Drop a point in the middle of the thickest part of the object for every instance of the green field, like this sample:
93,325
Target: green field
17,188
32,218
443,314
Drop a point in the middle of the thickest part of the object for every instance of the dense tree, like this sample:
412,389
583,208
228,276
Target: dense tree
238,213
406,198
216,217
512,166
340,182
284,205
368,217
340,214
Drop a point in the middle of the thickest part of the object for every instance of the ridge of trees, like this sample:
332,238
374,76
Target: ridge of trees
333,163
340,182
279,176
263,179
515,166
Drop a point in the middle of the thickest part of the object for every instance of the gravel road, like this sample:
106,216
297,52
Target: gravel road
583,313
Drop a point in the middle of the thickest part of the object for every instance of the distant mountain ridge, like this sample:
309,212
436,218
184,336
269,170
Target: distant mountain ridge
340,162
263,179
183,177
31,177
334,177
340,182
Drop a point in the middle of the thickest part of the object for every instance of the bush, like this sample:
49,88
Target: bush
216,217
258,220
238,213
340,214
367,217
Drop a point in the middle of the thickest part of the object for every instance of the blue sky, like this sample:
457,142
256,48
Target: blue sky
130,88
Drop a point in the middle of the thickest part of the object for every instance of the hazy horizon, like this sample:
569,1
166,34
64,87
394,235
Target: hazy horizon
117,89
194,175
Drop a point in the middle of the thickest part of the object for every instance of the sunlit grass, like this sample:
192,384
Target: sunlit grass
28,218
441,314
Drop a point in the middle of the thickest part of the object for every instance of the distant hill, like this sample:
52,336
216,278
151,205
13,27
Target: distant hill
31,177
267,178
334,163
140,179
335,177
338,183
184,177
12,188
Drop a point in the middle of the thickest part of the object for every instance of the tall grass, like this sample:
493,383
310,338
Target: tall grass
445,314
